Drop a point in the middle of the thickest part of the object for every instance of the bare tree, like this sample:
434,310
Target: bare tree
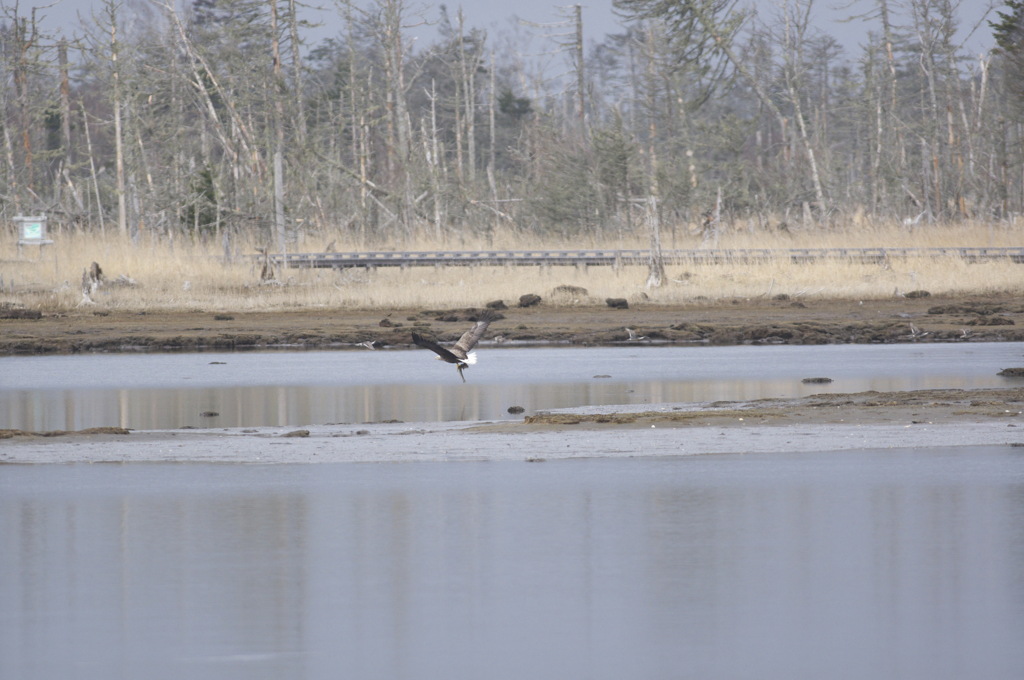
29,80
218,119
111,12
796,21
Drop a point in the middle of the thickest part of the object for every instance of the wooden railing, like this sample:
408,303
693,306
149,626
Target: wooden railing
619,258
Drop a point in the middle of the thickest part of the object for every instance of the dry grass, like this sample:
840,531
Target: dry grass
194,276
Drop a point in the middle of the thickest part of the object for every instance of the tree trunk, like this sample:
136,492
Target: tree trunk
581,80
297,86
656,263
796,32
122,208
65,103
277,91
279,222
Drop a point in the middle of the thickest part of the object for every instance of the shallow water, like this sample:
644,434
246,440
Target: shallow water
162,391
861,564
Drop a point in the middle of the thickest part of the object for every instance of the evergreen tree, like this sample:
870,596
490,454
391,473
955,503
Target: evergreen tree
1009,35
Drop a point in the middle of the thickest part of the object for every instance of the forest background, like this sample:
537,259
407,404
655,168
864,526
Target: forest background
220,123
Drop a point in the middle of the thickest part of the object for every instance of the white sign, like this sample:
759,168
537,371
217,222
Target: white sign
32,231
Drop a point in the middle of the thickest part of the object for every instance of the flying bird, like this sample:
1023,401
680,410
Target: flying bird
633,337
460,353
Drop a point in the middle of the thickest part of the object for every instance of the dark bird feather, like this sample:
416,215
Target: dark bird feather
460,353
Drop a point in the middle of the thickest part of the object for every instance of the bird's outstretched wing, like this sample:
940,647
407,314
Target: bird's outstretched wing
471,337
435,348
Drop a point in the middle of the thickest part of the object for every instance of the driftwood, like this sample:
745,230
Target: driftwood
266,266
92,278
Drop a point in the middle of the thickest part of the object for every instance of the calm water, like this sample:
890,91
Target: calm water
162,391
867,564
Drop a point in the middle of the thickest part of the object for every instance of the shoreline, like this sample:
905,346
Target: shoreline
818,423
821,422
998,317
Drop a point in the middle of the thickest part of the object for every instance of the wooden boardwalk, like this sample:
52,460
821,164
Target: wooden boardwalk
621,258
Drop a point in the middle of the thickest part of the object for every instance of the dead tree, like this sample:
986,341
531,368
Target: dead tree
656,263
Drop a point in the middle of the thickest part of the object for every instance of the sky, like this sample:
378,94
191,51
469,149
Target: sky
598,16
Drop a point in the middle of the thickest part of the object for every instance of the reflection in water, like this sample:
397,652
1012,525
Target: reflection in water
840,565
164,391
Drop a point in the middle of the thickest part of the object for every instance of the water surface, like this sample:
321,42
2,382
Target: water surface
162,391
860,564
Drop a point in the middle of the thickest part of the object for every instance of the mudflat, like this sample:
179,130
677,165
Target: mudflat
996,317
816,423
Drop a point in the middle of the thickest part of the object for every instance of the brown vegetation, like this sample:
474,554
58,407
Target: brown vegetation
198,276
188,297
221,120
728,321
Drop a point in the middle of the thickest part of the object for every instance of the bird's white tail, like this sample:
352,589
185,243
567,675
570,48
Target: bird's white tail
471,358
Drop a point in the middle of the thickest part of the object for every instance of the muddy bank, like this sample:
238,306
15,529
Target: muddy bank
916,407
832,422
760,321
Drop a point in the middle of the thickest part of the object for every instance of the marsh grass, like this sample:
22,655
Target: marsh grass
197,276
